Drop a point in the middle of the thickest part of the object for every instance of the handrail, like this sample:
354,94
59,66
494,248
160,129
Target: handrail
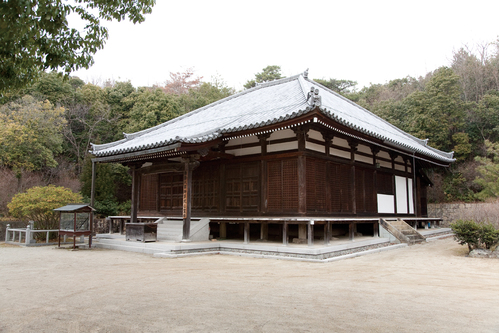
28,234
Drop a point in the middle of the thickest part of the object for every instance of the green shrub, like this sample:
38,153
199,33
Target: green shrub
475,235
466,232
37,204
488,235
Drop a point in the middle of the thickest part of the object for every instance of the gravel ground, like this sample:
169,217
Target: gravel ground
431,287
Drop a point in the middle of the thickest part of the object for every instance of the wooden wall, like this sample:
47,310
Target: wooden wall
339,178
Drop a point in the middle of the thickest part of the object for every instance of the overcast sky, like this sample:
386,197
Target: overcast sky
365,41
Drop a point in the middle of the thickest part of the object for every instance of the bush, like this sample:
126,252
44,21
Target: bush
475,235
37,204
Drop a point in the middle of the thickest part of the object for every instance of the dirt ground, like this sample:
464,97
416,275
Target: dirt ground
432,287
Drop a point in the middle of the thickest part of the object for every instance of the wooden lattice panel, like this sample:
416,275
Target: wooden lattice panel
274,187
148,192
340,188
170,191
242,187
282,189
290,185
206,188
316,185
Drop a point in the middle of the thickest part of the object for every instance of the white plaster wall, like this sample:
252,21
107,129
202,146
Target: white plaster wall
282,146
384,164
399,167
364,149
315,135
401,194
314,146
386,204
242,141
399,159
339,153
383,154
245,151
284,134
364,159
341,142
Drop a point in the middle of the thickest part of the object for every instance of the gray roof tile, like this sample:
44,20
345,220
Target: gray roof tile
266,104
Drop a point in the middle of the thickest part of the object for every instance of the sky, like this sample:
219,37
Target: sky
365,41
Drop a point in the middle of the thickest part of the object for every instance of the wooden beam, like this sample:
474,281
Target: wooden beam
327,233
135,194
189,165
92,190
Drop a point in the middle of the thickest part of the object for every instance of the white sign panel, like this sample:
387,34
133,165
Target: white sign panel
401,194
386,204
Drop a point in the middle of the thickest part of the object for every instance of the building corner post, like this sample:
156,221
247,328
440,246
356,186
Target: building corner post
92,190
190,164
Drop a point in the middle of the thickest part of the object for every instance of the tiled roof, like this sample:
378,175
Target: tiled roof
267,104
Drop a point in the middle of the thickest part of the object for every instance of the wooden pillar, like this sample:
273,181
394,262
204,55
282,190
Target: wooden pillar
223,230
351,226
302,231
311,233
264,231
263,171
91,217
376,229
328,141
246,232
353,148
92,190
135,194
285,233
327,233
302,185
189,165
301,135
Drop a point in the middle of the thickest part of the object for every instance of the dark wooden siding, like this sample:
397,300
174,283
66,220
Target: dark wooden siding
149,193
365,195
206,188
316,185
242,192
340,188
384,183
171,192
282,187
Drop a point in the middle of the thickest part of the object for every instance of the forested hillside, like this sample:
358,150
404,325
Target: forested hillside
46,129
457,109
